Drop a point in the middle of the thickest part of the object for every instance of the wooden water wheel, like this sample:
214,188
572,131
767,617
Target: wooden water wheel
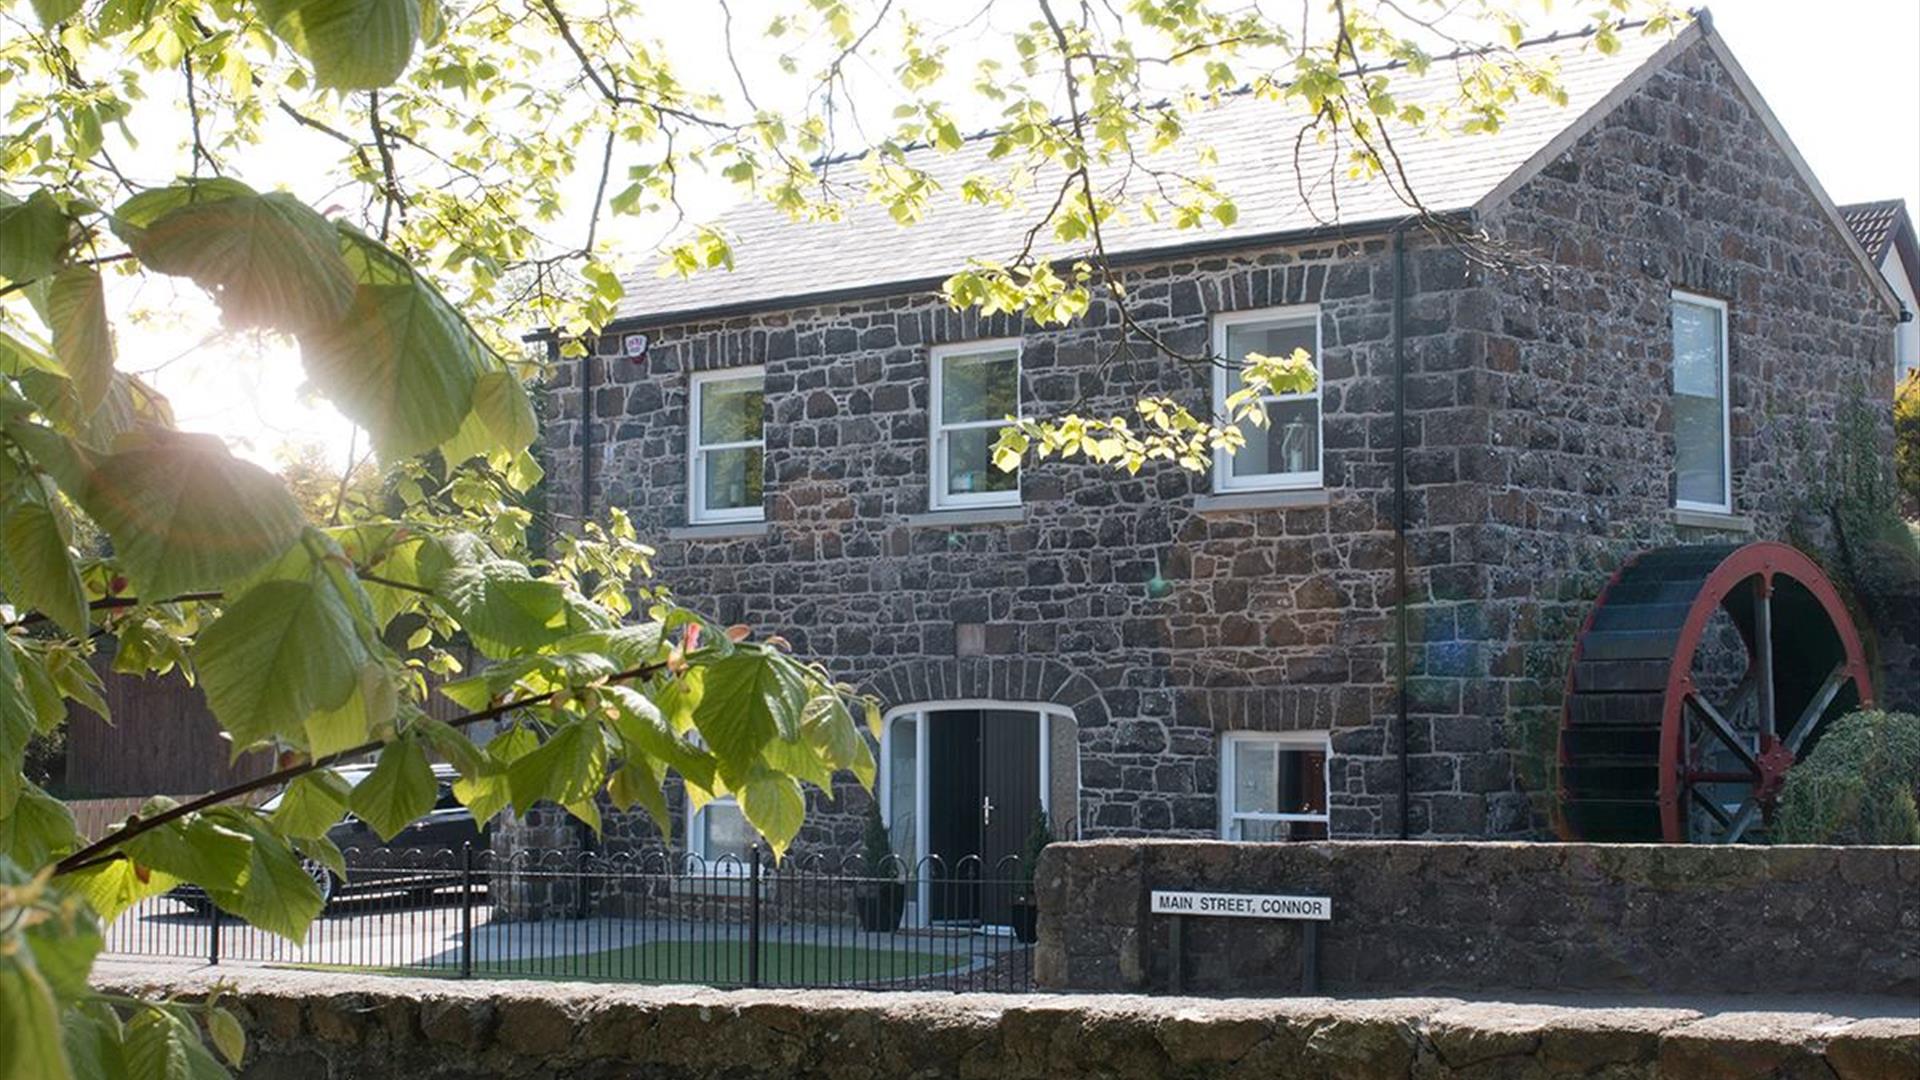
1669,734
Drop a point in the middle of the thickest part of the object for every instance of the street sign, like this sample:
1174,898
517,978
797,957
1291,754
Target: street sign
1243,905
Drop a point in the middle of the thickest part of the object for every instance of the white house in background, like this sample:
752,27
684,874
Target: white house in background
1885,230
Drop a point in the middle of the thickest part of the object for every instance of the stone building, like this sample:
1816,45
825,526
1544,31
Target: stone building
1668,356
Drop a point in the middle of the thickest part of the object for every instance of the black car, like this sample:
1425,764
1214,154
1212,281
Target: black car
420,860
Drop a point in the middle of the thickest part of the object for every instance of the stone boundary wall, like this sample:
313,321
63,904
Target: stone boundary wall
1414,917
321,1026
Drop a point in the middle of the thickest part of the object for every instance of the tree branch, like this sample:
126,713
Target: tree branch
101,850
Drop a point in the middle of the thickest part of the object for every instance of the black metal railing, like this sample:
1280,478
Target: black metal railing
654,917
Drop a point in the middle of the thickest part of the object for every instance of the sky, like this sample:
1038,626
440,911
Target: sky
1845,85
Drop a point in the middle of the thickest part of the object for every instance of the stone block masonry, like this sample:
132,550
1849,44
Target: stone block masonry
315,1026
1491,918
1539,455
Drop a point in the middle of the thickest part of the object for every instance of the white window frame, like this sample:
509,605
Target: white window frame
938,497
697,511
697,842
1226,381
1725,506
1320,741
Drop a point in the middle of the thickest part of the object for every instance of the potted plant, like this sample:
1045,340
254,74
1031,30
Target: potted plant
881,896
1026,904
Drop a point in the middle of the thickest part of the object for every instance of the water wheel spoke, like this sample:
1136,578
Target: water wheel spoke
1714,809
1718,725
1817,708
1742,819
1763,654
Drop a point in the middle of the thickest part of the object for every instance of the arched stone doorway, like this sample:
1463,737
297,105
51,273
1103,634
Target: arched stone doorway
963,783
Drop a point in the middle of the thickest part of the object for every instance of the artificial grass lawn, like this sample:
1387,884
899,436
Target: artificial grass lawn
718,962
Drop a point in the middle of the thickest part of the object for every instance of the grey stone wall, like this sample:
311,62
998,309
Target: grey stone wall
325,1026
1680,187
1540,455
1277,620
1491,918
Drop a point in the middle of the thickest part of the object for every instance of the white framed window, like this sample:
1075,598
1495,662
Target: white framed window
1286,453
719,838
976,386
1702,449
726,445
1273,785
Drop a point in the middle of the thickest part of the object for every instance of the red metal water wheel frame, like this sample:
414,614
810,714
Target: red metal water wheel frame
1746,583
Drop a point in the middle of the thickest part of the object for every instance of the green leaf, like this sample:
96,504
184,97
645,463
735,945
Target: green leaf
278,896
540,674
505,610
19,354
130,405
323,851
402,362
52,12
39,828
227,1035
162,1045
113,887
485,793
312,804
398,792
39,571
353,44
775,806
67,462
636,784
750,698
91,1033
629,646
568,768
31,1048
268,259
16,727
185,514
197,848
373,704
646,731
502,419
288,648
82,340
64,945
34,233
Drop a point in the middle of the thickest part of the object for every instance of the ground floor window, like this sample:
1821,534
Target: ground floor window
1273,785
720,839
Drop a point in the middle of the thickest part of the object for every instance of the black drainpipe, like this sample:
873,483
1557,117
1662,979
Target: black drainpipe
1400,520
586,434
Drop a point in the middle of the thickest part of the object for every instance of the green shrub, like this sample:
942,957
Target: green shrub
876,847
1858,786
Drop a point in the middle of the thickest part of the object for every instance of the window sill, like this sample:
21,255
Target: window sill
1710,519
1297,499
968,515
719,530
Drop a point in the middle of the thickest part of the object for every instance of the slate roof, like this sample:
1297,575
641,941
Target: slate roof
1876,224
779,263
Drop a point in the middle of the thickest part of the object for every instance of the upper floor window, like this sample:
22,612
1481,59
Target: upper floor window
1286,453
976,387
727,448
1273,786
1702,475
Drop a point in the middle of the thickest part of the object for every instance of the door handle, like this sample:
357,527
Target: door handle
986,810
